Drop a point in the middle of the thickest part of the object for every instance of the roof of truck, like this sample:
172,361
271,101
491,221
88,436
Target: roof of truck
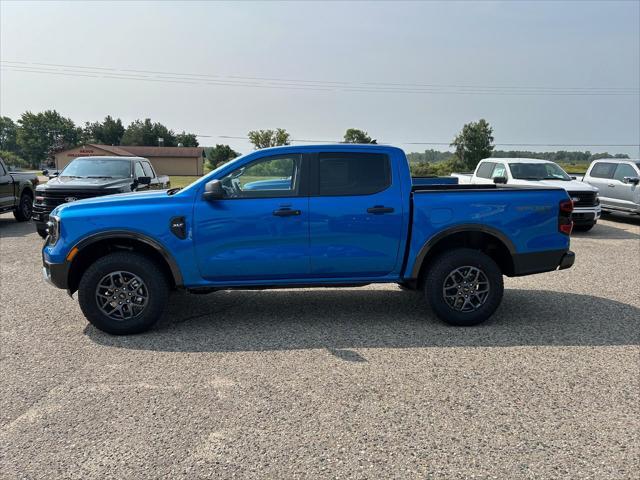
518,160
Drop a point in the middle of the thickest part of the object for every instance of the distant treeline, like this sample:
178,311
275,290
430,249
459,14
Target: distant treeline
562,156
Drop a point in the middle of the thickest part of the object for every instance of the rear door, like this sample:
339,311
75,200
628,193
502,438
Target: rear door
356,215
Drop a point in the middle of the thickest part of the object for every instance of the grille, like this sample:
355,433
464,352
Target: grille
585,199
54,198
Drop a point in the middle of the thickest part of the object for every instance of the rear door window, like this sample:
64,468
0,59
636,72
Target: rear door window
624,170
485,169
603,170
350,173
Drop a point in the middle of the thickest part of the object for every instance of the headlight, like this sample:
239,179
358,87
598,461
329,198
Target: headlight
53,229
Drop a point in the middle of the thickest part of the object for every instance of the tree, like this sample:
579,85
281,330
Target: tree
473,143
219,154
37,132
187,139
140,133
12,160
269,138
353,135
8,134
108,132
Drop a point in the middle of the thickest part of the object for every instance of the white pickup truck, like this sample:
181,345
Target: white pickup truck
528,171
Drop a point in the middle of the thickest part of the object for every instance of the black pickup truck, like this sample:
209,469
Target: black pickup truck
16,192
87,177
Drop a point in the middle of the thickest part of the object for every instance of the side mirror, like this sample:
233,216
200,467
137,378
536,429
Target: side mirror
55,174
498,180
45,172
213,190
144,180
574,178
632,180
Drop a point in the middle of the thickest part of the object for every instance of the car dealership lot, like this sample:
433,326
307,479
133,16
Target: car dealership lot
361,382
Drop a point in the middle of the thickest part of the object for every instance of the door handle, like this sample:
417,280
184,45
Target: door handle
379,210
286,212
611,185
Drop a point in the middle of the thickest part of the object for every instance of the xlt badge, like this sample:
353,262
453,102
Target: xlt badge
178,227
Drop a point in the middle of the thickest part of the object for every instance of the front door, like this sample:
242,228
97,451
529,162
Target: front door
623,192
356,215
7,198
260,229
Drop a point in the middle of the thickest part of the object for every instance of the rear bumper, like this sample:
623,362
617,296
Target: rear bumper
539,262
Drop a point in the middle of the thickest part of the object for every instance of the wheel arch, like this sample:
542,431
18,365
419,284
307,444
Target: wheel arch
101,244
489,240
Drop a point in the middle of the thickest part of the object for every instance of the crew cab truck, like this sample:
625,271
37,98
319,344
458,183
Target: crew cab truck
534,172
618,181
301,216
16,192
87,177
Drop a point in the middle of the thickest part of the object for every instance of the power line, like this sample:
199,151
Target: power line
298,84
305,140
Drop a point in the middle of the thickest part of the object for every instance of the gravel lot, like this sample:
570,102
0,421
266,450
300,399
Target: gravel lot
357,383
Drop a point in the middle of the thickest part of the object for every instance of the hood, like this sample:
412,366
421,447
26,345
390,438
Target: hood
74,183
129,199
573,185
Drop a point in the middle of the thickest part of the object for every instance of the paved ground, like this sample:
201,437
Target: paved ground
360,383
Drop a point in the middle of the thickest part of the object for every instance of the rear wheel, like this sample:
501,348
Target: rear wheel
464,287
123,293
24,209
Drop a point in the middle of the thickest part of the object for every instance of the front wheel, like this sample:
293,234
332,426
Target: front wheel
24,209
464,287
123,293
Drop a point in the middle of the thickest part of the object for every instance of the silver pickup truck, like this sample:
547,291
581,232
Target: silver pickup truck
617,181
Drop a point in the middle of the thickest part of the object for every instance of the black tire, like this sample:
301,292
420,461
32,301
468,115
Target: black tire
156,287
440,271
42,231
583,228
25,208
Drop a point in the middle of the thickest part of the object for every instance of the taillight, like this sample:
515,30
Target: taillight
565,224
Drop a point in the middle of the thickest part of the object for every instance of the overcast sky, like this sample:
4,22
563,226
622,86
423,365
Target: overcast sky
331,59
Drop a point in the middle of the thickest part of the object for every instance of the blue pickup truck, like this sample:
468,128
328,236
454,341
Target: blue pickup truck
329,215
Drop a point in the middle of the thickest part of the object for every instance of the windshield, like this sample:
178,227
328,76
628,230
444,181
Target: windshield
98,168
538,171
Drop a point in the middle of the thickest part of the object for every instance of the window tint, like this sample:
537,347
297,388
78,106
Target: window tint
276,176
485,170
139,170
353,173
624,170
148,171
2,171
499,171
603,170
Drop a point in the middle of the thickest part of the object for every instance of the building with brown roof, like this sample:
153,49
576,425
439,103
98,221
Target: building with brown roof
165,160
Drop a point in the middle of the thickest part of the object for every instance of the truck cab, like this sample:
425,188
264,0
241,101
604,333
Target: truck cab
305,216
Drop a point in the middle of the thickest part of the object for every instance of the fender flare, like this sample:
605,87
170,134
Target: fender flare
467,228
157,246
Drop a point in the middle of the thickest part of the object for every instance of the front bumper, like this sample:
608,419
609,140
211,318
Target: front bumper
56,274
586,215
